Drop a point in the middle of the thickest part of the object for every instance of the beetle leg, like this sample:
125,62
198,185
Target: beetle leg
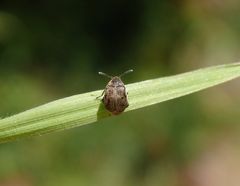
101,94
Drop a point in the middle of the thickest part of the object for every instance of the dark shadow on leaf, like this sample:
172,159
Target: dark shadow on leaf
102,112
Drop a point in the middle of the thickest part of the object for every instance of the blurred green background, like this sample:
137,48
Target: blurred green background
54,49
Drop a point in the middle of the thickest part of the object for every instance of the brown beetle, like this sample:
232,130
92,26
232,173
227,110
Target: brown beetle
115,94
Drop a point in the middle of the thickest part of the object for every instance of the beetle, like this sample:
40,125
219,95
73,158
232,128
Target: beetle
115,94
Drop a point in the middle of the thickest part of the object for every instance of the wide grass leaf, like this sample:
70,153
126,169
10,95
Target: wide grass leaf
84,108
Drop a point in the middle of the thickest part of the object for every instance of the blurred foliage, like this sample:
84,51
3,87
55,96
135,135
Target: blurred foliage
52,49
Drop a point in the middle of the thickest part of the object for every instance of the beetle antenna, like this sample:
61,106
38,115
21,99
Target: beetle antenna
124,73
104,74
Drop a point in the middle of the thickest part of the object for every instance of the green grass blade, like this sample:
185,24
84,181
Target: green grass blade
85,108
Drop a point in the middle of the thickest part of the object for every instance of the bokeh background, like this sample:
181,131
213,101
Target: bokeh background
53,49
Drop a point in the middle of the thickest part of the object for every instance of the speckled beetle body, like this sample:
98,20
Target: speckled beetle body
115,94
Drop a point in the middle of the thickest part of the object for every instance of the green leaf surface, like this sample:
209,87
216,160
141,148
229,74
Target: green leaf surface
84,108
